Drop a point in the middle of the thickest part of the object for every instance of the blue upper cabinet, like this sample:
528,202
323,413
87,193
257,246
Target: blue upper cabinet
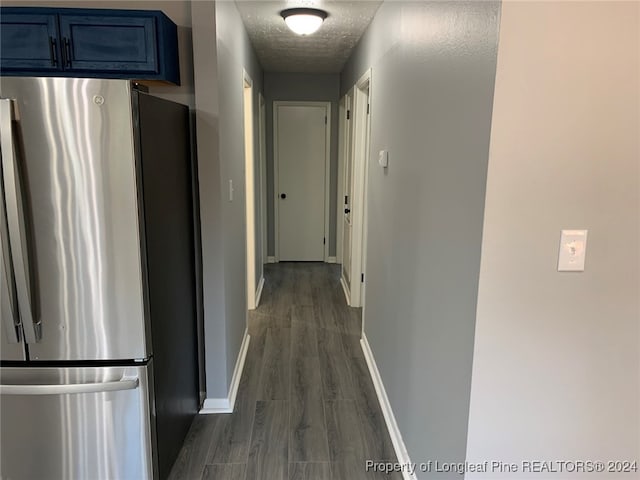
109,43
29,42
135,44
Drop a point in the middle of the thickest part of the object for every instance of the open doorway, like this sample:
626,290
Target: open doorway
255,279
355,149
262,132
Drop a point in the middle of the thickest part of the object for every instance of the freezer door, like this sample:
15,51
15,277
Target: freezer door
73,218
75,423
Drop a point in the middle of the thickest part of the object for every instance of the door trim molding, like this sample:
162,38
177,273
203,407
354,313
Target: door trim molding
327,173
361,154
342,135
262,127
249,189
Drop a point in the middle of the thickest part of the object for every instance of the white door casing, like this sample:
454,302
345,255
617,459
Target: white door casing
263,172
250,210
355,217
347,195
342,128
301,161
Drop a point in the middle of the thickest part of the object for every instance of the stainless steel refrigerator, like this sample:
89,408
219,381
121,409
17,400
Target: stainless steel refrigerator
98,378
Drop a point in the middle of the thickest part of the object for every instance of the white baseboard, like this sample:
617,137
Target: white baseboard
331,260
226,405
215,405
271,260
346,291
389,418
259,291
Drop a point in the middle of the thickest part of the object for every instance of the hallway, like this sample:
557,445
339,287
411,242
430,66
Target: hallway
306,407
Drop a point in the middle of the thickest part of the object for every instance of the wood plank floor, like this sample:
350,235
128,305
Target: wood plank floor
306,406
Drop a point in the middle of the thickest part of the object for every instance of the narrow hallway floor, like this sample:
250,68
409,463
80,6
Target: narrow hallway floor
306,407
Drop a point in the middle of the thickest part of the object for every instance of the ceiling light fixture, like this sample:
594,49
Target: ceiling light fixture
303,21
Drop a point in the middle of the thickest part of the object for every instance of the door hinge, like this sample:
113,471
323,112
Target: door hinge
367,109
325,119
362,277
348,114
346,199
324,240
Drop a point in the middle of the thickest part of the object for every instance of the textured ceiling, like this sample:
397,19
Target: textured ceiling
326,51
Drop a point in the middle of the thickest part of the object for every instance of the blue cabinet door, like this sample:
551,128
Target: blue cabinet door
109,43
29,42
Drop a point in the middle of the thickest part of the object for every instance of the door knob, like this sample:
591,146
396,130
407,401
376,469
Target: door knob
347,210
283,196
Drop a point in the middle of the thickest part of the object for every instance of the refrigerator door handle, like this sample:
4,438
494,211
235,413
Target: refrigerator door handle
7,293
16,222
125,383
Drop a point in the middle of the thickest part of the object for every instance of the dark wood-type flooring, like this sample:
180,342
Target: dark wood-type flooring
306,407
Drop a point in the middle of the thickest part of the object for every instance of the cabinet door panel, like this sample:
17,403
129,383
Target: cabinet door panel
29,42
109,43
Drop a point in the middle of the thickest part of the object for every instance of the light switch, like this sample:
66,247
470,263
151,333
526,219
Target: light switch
573,249
383,158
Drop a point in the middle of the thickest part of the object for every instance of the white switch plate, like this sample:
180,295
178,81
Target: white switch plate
573,250
383,158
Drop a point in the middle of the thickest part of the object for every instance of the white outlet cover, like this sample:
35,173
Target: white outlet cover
573,250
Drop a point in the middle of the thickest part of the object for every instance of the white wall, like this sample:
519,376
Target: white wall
556,364
433,67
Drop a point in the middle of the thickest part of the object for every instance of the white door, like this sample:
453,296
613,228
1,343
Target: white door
355,174
348,194
301,152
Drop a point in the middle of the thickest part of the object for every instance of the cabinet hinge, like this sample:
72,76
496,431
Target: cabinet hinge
362,277
324,240
348,114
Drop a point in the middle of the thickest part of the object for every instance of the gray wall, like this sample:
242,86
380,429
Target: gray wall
234,52
433,68
221,52
302,87
207,119
556,369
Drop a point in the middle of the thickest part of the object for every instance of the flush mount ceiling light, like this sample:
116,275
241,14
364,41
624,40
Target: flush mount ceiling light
303,21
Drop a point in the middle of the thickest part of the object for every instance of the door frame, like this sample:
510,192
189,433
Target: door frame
346,150
361,154
342,135
327,172
249,196
262,122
